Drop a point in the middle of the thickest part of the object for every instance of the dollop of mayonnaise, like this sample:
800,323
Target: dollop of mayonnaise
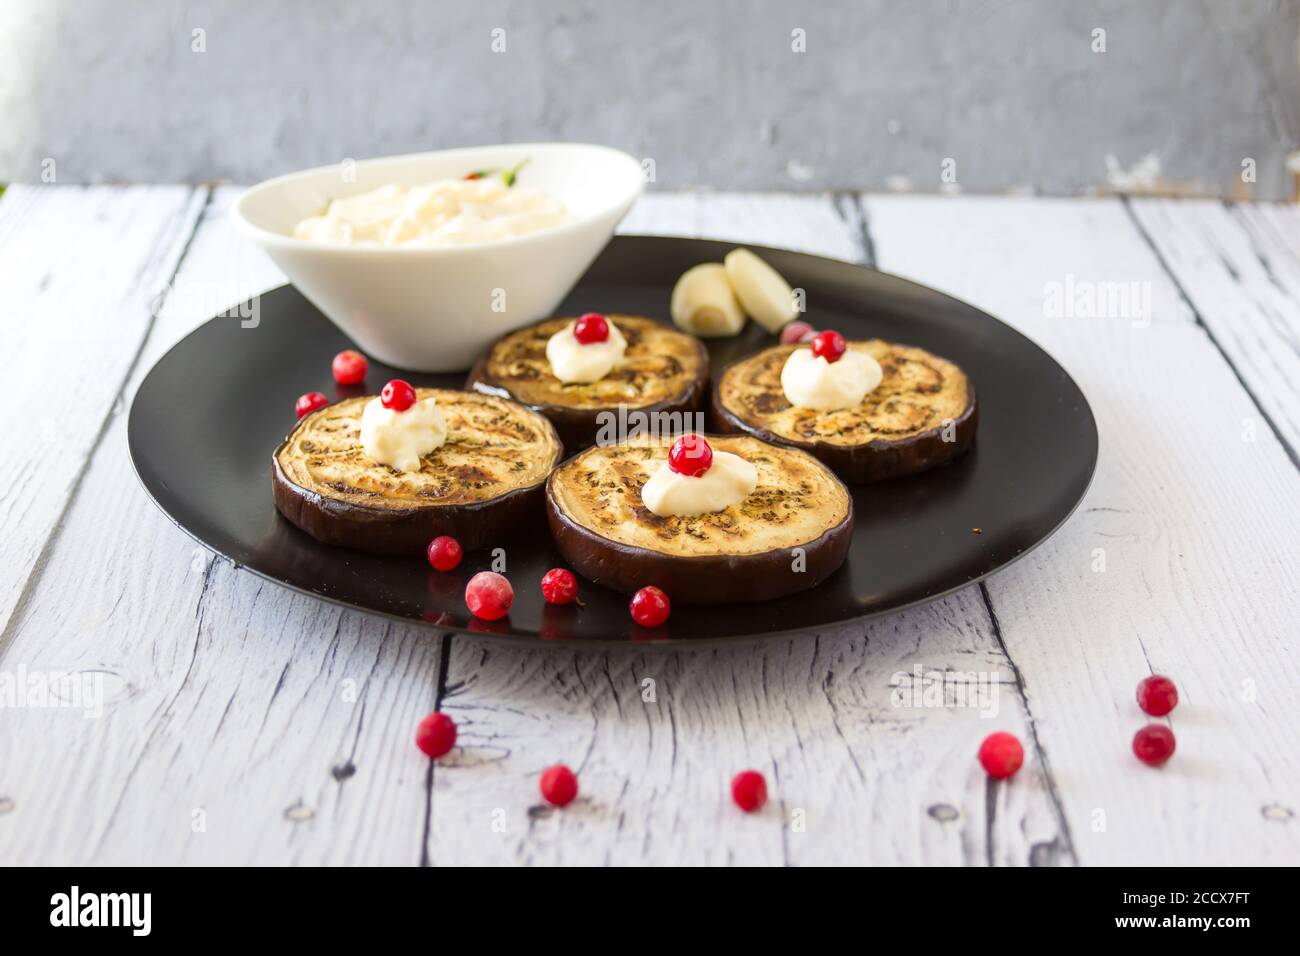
809,381
572,361
729,481
449,212
398,439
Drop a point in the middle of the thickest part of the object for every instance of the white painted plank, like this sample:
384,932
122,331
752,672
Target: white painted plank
1186,511
816,715
82,267
280,725
1243,280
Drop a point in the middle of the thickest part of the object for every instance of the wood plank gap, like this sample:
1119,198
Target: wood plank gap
444,664
850,208
1053,793
186,228
1290,450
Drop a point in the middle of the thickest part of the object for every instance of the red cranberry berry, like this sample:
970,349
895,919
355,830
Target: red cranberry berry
690,455
559,586
591,328
649,607
559,785
1154,744
794,332
444,553
308,403
1157,695
749,790
489,596
349,367
1001,755
829,345
436,734
397,395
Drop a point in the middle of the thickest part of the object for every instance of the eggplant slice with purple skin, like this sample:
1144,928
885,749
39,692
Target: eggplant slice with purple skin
482,485
922,414
664,371
789,535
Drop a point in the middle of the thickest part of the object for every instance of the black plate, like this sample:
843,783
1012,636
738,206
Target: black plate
209,415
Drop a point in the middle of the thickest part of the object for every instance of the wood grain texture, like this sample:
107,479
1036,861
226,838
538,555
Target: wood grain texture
1184,512
242,723
1239,269
82,270
286,723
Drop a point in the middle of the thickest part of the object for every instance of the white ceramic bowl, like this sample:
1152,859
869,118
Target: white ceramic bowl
437,310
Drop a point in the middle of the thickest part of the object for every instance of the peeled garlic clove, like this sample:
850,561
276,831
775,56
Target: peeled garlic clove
762,292
704,304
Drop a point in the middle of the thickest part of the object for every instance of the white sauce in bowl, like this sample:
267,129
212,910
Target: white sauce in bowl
448,212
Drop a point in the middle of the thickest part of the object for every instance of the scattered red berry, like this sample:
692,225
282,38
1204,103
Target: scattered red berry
749,790
397,395
559,785
829,345
649,607
691,455
591,328
1157,695
1001,755
489,596
444,553
308,403
436,735
559,586
795,331
349,367
1154,744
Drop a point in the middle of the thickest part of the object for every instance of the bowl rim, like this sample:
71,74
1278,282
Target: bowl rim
270,238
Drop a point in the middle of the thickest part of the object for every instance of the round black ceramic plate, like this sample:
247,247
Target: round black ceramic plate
208,417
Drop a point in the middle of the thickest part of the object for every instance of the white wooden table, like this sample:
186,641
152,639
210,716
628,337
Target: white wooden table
242,723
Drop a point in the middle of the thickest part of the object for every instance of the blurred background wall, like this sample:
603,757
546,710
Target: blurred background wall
1053,96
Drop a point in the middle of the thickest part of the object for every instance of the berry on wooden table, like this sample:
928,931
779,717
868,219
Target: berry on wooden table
444,553
309,403
1157,695
1154,744
349,367
649,607
559,785
749,790
397,395
559,586
436,734
1001,755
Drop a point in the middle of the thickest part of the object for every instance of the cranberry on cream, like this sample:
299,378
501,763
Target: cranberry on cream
697,480
828,375
398,433
585,350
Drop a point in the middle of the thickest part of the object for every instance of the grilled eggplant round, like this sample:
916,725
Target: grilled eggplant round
662,371
482,484
921,415
790,534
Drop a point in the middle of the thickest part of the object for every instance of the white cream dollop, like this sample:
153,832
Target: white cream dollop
729,480
398,439
573,362
809,381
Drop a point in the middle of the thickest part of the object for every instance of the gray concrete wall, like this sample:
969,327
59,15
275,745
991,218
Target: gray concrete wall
1013,92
